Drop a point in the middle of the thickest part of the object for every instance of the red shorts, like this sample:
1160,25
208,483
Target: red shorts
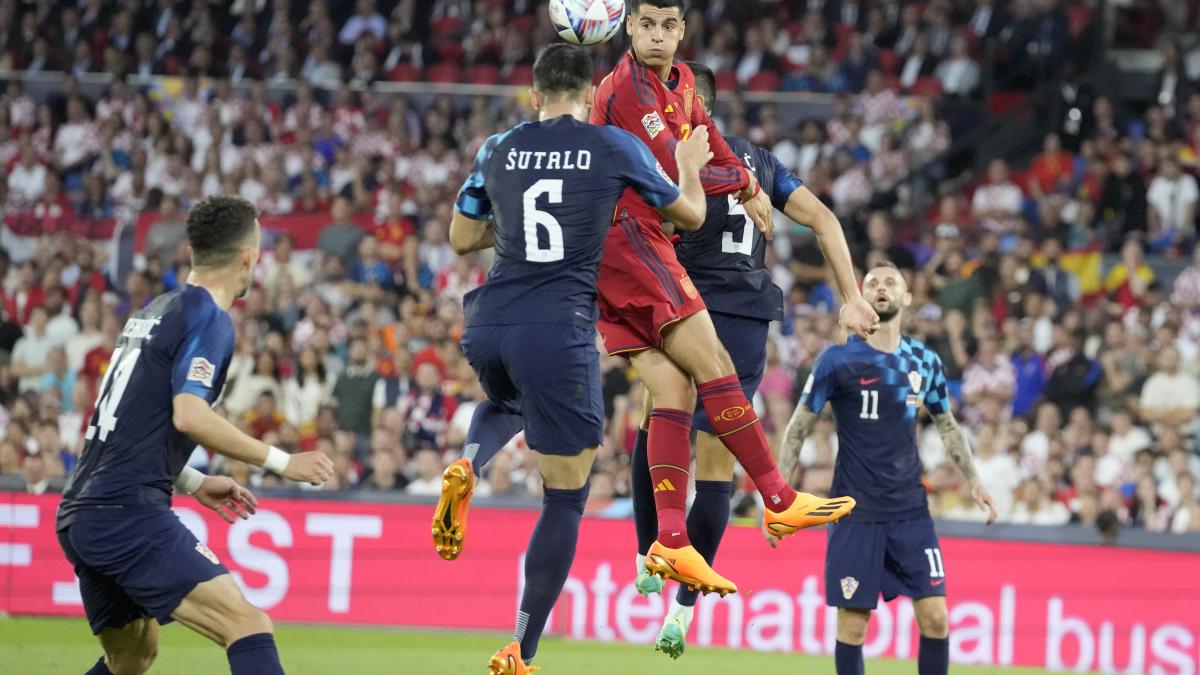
643,289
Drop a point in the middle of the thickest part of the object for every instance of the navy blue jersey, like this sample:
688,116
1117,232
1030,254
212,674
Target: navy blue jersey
726,257
550,188
180,343
875,398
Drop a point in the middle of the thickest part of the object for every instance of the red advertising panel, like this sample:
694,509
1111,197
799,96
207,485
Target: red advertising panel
1011,603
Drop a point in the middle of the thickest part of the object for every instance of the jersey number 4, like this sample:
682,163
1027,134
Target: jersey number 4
112,389
746,245
535,220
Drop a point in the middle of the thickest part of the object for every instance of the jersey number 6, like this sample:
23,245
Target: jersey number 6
534,219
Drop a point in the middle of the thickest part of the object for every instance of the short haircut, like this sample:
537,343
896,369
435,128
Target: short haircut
888,264
562,68
217,229
706,83
635,5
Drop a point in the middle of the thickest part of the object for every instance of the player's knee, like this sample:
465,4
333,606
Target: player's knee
852,627
246,620
934,622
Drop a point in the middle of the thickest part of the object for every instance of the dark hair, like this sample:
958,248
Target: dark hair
217,228
635,5
885,263
706,83
562,68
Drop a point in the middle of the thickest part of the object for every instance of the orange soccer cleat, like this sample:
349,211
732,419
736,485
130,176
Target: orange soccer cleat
508,661
450,517
688,567
807,511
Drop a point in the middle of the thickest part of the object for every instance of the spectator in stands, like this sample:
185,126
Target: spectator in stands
1127,439
36,474
354,389
31,353
306,390
998,203
61,327
27,180
1171,396
880,238
1172,199
1128,282
1050,168
1073,377
1056,284
340,238
428,480
988,385
58,380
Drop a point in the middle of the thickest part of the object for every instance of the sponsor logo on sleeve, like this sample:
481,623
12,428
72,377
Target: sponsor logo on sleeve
207,553
201,371
653,124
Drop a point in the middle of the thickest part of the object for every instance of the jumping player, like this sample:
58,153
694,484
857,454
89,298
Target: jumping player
726,260
651,311
138,566
888,545
542,194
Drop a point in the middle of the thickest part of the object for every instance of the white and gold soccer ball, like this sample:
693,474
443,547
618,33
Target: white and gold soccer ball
587,22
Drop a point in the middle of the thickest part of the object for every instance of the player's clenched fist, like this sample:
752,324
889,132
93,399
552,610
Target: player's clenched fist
309,467
692,153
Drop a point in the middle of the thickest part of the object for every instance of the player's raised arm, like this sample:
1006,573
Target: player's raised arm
803,207
937,402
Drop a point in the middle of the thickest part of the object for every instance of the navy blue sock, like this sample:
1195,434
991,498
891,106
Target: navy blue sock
254,655
934,656
847,659
641,487
547,562
99,669
706,525
491,429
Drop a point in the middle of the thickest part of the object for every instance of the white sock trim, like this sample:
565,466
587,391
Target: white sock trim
682,610
641,563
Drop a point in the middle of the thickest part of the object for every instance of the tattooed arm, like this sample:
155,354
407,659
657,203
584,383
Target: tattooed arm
959,451
794,434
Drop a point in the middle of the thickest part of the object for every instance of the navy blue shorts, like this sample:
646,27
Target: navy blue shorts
135,565
746,341
893,558
547,373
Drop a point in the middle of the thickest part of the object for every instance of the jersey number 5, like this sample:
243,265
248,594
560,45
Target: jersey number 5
535,219
112,389
746,245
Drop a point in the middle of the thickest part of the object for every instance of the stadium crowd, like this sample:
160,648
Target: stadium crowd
1079,385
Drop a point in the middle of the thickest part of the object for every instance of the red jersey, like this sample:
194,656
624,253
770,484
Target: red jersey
660,113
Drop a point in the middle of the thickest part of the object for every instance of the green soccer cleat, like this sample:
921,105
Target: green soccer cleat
648,584
672,639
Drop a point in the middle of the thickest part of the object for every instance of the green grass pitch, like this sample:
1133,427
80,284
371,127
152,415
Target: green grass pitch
63,646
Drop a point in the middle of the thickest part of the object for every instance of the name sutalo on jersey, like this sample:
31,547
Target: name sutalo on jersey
566,160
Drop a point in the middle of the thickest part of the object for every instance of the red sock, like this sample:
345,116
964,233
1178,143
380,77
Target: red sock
670,455
737,426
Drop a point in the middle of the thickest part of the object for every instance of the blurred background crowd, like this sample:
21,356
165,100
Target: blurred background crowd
1059,282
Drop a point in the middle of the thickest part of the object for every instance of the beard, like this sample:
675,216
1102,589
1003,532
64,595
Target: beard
888,313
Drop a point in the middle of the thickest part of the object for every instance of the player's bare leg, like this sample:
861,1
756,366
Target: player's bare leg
670,457
693,345
932,619
217,610
549,555
706,522
851,633
129,650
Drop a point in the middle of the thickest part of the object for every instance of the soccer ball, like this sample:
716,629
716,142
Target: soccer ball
587,22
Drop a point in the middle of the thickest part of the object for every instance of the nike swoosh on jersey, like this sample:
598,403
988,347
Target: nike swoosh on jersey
867,382
937,582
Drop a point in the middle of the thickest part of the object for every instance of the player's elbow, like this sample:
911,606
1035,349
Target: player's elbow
185,415
459,243
689,219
